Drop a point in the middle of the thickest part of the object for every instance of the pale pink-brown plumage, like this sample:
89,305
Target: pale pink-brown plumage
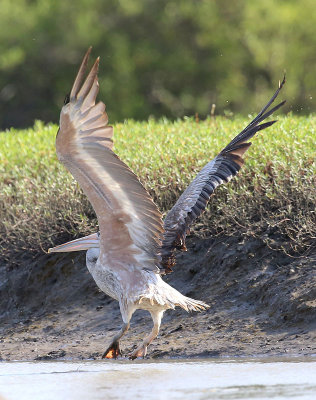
134,248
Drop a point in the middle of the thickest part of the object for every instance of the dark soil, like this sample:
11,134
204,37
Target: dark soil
262,303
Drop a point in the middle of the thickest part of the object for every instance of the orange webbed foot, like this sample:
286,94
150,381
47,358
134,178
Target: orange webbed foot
139,352
113,351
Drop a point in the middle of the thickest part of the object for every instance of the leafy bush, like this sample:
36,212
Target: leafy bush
273,197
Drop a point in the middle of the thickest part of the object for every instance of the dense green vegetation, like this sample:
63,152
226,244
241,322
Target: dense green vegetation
273,197
165,57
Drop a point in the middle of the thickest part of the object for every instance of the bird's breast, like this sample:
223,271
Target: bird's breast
106,280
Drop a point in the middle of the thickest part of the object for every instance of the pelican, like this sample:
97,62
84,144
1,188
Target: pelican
134,247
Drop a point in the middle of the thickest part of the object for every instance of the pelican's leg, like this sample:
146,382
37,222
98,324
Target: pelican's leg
113,351
141,351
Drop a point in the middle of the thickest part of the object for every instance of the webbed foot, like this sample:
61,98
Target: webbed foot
139,352
113,351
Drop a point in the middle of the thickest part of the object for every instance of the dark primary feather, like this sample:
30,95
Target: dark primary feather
194,199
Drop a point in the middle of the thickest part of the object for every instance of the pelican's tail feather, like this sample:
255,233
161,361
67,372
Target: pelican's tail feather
165,295
189,304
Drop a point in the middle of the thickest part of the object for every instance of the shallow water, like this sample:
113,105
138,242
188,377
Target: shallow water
174,379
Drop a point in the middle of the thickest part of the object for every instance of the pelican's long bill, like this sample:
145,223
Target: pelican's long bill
85,243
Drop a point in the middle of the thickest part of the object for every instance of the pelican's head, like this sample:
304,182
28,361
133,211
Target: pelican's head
85,243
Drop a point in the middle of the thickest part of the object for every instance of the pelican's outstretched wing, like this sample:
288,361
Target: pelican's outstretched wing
130,223
194,199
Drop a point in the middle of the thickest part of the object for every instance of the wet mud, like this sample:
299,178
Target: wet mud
263,303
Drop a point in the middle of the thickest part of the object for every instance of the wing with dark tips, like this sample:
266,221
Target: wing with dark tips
221,169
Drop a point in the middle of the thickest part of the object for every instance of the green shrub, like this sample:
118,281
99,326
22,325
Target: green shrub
273,196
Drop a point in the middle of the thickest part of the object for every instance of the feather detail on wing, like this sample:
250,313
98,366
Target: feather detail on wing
129,221
221,169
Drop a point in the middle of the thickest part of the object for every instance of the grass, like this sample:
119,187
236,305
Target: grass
273,196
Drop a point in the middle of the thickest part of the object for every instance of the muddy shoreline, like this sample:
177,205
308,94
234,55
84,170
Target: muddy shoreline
263,303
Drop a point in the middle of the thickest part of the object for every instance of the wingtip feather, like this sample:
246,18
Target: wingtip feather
283,81
80,75
89,81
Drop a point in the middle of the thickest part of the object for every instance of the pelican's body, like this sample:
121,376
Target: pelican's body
136,288
134,246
